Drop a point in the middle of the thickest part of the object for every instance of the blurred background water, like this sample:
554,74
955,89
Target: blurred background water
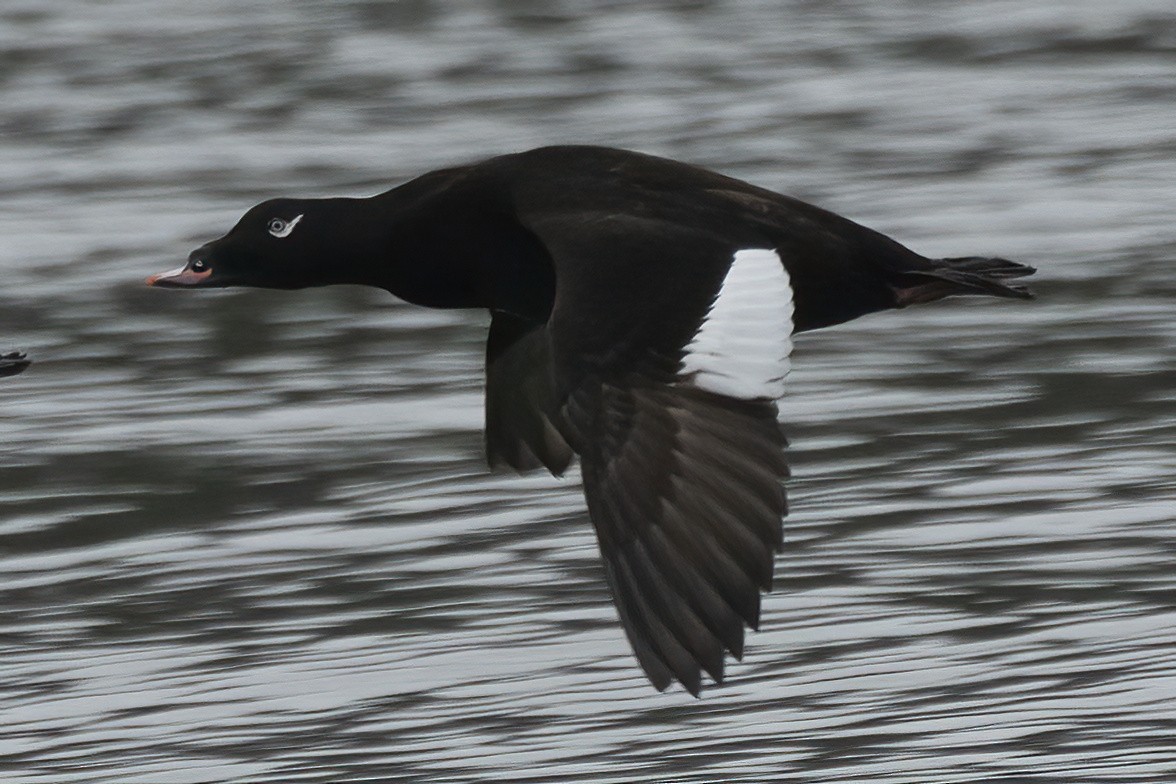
249,535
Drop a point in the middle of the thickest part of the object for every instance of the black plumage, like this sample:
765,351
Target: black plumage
599,267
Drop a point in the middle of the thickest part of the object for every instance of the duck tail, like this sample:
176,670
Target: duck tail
966,275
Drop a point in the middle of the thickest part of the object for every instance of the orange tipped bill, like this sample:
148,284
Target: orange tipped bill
184,277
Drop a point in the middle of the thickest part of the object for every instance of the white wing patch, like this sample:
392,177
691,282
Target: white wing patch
742,347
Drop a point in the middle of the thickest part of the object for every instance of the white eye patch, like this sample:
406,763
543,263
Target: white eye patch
282,228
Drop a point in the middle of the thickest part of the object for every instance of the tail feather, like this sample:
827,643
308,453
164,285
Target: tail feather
966,275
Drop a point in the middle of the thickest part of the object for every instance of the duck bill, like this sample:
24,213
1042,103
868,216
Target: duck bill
182,278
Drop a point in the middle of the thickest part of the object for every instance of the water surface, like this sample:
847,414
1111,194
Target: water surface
250,535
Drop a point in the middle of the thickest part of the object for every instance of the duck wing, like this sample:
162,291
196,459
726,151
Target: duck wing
521,409
669,347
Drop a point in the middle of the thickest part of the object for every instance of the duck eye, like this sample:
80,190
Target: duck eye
282,228
199,265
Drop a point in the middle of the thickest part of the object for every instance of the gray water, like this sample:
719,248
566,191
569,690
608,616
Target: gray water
249,536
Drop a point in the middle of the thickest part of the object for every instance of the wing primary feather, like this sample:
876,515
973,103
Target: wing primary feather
675,611
635,626
674,631
671,652
727,575
690,581
742,545
690,544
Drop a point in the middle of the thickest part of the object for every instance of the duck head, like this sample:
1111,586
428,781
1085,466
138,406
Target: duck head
279,244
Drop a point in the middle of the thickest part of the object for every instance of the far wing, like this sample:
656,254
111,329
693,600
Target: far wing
520,398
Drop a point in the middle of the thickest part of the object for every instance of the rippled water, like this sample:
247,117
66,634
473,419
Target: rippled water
249,535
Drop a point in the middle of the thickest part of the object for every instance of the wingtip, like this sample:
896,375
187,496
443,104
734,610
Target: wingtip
692,683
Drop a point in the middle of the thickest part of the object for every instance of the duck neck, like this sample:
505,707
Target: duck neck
445,244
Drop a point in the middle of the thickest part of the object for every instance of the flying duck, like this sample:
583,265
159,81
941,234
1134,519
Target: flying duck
642,316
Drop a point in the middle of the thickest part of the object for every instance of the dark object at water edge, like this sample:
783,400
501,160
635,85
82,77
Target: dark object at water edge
12,363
